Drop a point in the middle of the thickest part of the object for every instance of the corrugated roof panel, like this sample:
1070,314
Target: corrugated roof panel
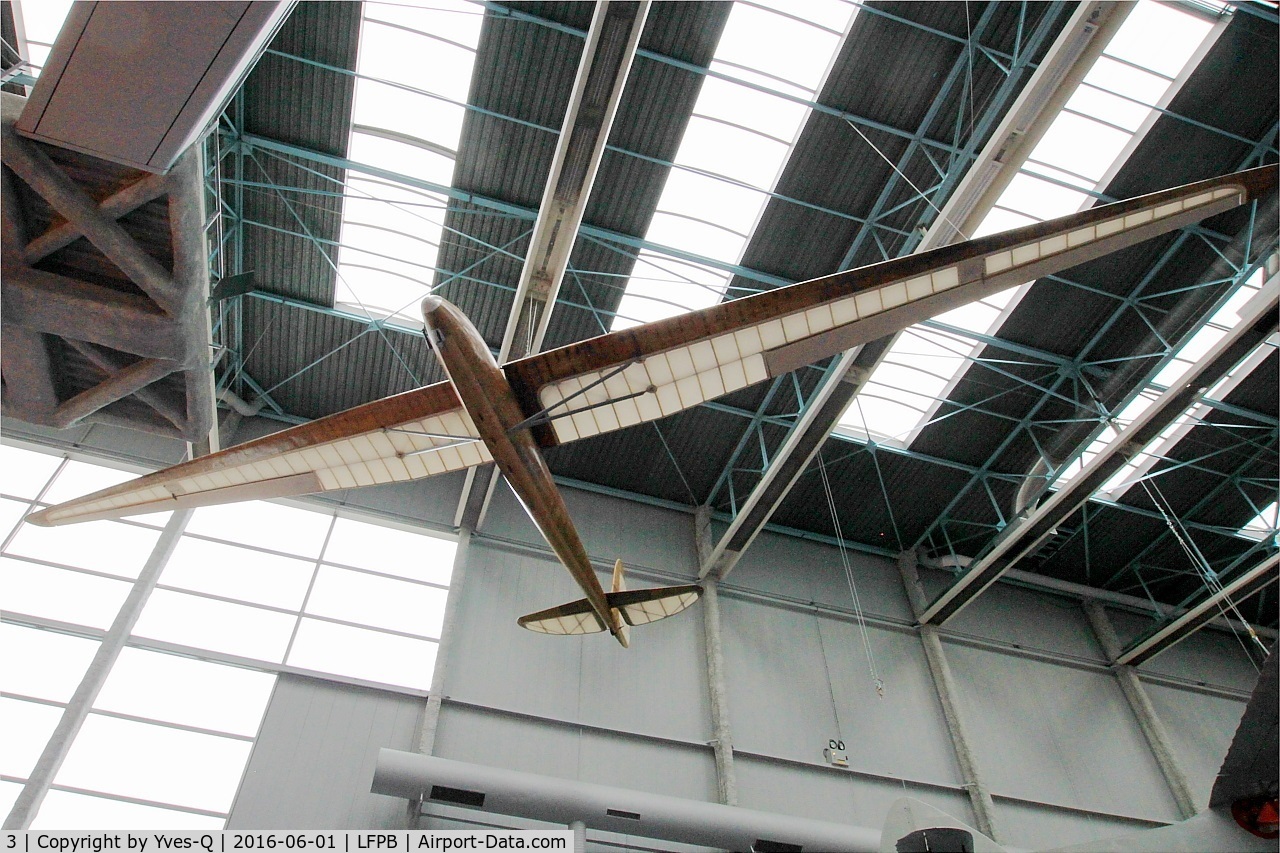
292,197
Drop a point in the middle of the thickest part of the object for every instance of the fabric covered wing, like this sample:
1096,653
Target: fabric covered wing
651,371
406,437
641,606
576,617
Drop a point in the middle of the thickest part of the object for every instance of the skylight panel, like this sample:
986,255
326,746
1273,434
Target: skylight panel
41,20
1123,79
1039,199
186,691
133,759
388,658
695,235
730,101
711,199
185,701
1113,109
50,666
733,151
799,48
65,810
1264,525
1159,38
1081,147
1223,319
414,74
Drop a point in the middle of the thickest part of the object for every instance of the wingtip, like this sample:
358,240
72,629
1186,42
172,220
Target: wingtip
39,519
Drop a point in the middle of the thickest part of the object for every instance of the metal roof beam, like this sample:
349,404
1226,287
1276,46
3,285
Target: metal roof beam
1249,583
597,90
1207,500
1123,384
850,370
500,206
1258,322
602,76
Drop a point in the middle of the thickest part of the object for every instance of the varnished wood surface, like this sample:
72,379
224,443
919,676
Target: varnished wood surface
529,374
402,408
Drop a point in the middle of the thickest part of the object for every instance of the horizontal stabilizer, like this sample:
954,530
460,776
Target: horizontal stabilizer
576,617
640,606
636,607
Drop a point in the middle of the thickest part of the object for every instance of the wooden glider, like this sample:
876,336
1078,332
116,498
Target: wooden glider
506,414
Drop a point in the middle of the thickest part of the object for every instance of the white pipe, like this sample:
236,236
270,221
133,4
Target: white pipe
511,792
948,562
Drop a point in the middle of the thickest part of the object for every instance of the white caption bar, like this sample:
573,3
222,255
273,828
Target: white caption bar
401,841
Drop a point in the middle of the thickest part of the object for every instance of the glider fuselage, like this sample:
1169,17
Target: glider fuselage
487,396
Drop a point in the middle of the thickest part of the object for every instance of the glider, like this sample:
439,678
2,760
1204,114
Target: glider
506,414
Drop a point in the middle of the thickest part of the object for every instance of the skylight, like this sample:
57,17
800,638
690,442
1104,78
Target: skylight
1265,524
414,70
1224,319
733,151
1083,147
38,26
166,740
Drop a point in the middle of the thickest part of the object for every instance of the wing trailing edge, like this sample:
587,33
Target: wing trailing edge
635,607
409,436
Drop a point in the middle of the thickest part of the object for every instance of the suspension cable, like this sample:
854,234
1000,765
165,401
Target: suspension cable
858,612
1201,564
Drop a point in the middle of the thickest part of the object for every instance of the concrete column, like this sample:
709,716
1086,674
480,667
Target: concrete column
1152,729
73,716
944,684
579,836
722,733
425,742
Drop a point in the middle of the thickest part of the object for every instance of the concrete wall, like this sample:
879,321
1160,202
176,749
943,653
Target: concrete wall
312,763
1052,735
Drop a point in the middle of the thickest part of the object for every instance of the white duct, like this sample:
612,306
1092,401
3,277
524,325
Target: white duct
511,792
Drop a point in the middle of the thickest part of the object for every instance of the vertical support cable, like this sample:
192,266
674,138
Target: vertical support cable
28,803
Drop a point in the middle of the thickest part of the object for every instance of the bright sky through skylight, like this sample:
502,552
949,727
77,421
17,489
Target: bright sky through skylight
306,591
1265,524
1222,321
41,21
1081,147
732,152
415,69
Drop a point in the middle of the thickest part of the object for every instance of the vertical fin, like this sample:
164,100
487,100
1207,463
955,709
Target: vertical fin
623,634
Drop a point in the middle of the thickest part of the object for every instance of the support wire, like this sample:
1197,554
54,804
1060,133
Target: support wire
858,612
1197,558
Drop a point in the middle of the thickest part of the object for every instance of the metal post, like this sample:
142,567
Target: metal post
425,742
55,751
722,733
579,836
944,685
1152,728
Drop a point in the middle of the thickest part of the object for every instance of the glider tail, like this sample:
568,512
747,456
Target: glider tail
630,607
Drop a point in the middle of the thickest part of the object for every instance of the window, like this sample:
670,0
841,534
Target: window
249,590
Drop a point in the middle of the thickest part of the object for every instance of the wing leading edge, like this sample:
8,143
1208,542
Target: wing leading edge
412,435
651,371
